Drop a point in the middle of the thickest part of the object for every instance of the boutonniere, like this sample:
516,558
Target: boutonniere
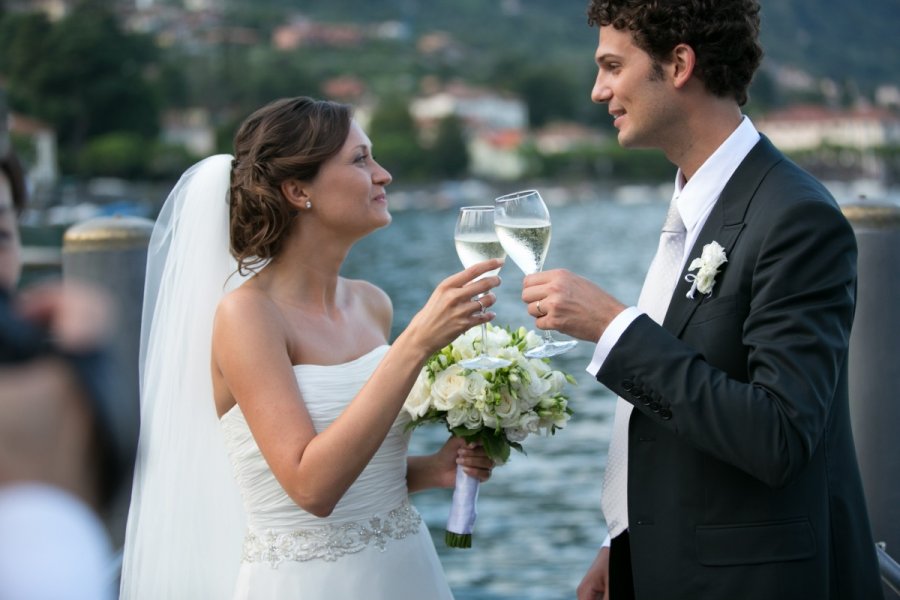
707,267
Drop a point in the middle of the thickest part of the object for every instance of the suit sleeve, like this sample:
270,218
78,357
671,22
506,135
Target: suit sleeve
751,380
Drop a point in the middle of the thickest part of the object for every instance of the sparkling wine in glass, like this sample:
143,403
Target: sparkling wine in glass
522,222
476,241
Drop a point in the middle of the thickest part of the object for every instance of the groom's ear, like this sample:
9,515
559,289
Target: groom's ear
295,192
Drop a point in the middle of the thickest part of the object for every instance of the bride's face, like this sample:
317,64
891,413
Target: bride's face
349,189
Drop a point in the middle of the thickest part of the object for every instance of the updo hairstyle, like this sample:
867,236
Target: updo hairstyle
286,139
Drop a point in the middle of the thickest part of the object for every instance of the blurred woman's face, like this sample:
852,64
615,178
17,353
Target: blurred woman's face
10,245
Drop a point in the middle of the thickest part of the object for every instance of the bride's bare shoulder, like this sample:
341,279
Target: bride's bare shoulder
374,299
247,306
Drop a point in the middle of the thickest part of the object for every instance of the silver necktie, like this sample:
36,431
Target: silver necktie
656,293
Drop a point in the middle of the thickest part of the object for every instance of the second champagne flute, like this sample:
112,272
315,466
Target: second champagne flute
476,241
522,222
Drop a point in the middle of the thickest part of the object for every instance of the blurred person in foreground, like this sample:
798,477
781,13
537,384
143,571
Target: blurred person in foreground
731,471
58,466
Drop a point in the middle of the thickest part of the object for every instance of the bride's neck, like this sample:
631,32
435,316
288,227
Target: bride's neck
302,273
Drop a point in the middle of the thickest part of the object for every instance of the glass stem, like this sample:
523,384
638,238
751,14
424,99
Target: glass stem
484,351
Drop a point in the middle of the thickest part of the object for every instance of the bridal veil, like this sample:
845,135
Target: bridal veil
185,524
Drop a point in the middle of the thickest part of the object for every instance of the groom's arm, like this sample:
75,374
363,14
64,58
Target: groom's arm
752,381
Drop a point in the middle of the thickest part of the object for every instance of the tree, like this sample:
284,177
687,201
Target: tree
395,139
83,75
449,154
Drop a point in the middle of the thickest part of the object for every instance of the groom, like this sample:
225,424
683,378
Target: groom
731,471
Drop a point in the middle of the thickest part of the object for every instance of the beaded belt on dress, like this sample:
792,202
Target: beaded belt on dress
332,541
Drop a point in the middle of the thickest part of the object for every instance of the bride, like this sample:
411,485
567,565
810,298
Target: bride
285,474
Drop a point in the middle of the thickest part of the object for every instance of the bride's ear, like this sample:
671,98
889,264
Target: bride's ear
296,193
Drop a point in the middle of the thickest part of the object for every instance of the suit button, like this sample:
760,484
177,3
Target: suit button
665,414
628,384
654,406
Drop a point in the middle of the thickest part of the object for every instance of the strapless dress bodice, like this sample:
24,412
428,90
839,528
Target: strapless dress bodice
377,500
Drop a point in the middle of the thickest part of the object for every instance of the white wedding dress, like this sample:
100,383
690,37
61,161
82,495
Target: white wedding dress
374,545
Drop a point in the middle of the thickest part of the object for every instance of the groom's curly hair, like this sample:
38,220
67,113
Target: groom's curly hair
286,139
723,33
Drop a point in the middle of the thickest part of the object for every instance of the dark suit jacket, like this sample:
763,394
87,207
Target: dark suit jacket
742,475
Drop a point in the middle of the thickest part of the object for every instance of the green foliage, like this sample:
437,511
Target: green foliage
550,90
608,162
118,154
88,78
449,155
83,74
395,140
835,39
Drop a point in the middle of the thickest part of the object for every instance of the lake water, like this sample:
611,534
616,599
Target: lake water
539,522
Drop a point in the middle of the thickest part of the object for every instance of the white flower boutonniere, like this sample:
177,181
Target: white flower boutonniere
707,267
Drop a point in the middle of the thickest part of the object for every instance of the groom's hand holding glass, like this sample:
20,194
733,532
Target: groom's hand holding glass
562,301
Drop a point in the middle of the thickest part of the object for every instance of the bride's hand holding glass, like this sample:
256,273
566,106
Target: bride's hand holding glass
457,304
476,240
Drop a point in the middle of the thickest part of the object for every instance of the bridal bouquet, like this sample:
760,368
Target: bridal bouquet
496,408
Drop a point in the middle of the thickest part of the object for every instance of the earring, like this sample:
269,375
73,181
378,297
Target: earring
308,204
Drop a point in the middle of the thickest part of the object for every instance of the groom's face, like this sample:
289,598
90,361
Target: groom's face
636,88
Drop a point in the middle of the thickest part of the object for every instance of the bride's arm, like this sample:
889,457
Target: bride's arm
249,349
439,470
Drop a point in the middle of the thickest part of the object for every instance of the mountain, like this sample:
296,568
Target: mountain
845,41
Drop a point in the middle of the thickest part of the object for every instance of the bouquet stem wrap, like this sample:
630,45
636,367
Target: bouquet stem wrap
462,511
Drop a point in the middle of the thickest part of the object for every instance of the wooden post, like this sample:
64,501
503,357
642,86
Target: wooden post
875,366
111,253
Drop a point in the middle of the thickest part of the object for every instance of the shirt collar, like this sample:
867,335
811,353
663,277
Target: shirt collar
696,197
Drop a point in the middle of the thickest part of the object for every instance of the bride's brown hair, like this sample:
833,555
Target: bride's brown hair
286,139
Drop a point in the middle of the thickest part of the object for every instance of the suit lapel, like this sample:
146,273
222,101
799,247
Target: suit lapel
724,224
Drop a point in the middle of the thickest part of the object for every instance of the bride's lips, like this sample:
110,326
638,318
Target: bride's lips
382,198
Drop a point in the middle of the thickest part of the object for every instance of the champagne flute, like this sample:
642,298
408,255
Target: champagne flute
476,241
522,222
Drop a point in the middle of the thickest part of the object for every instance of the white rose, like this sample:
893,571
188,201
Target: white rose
532,339
507,410
707,267
474,387
473,419
557,382
705,280
527,424
713,254
534,389
498,337
515,434
456,416
464,345
447,388
419,400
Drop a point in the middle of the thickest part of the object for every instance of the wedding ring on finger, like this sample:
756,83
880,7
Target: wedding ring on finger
478,300
540,310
